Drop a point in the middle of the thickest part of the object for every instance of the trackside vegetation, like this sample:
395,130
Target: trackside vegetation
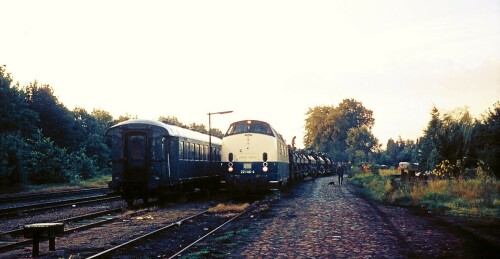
457,156
478,196
43,144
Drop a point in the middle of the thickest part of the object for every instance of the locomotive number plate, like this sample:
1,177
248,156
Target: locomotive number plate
247,166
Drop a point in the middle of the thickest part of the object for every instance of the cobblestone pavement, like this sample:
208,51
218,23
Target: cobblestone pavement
320,220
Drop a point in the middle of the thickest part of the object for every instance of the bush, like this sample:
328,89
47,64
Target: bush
478,196
46,162
12,154
82,167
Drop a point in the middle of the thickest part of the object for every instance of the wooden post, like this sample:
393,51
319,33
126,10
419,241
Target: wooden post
43,230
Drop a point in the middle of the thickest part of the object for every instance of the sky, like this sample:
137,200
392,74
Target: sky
265,60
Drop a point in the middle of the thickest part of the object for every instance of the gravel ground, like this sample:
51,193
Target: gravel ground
313,220
318,220
51,216
130,224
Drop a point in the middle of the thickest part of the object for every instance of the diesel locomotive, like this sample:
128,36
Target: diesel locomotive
152,159
254,158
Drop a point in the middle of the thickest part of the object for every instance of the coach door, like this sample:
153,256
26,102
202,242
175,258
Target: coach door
136,156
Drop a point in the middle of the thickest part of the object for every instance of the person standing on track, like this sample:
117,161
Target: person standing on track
340,172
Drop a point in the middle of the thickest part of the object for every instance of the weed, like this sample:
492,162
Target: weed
477,197
221,208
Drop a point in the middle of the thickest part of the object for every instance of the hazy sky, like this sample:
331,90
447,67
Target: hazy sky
266,60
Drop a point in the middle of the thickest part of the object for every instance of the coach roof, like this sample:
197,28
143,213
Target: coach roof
171,129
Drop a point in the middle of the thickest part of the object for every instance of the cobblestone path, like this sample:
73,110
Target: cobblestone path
320,220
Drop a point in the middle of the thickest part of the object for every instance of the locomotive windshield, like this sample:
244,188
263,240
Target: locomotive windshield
249,127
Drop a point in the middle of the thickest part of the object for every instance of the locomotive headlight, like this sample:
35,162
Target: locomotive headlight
230,166
230,169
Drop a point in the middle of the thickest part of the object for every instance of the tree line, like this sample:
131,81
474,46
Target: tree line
453,144
41,141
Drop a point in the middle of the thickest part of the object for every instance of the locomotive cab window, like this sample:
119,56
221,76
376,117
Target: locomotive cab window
250,127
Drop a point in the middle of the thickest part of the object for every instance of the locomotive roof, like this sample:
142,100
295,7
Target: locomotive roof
171,129
273,129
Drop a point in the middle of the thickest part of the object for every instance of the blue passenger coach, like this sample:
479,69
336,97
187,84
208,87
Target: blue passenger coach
154,159
254,158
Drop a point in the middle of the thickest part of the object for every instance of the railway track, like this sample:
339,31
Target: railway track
44,206
174,239
15,238
7,199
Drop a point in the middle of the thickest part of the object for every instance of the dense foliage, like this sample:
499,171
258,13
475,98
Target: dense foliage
453,145
472,197
41,141
343,132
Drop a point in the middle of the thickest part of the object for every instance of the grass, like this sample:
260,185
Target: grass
223,208
99,182
472,197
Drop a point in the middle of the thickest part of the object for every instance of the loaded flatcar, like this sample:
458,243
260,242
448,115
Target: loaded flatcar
254,158
312,164
152,159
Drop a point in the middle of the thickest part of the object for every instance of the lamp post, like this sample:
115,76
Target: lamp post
210,137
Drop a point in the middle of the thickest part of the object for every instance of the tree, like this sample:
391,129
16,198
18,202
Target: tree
216,133
103,119
360,141
90,133
56,121
47,163
327,127
198,127
429,155
15,114
454,138
17,122
172,120
123,118
487,140
392,152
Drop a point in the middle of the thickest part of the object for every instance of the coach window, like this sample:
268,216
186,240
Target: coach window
181,149
191,151
217,154
117,147
158,147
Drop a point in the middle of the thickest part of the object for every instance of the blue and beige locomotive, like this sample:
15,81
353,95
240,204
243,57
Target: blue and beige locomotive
254,158
152,159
